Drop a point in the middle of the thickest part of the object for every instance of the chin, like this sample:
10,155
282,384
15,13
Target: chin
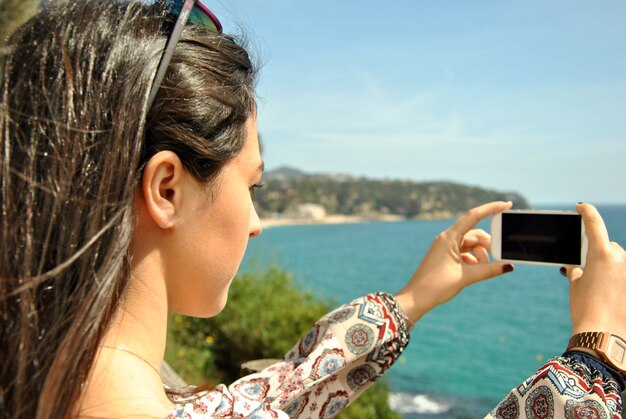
217,308
204,310
207,302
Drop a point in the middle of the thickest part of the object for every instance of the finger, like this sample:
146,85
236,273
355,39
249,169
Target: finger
481,254
595,229
475,238
469,258
473,216
576,274
480,272
477,254
572,272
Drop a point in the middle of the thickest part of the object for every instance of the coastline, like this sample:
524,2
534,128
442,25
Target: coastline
329,219
283,221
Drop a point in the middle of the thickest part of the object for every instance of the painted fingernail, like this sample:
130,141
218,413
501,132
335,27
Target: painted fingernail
507,268
563,271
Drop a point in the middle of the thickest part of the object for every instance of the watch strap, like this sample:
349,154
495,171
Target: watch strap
610,348
589,340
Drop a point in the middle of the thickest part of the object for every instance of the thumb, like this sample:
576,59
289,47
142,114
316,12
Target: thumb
572,272
482,271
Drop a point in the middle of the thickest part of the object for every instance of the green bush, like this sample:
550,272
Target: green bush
14,13
265,316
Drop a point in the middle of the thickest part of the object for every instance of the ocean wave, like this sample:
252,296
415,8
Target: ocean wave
404,403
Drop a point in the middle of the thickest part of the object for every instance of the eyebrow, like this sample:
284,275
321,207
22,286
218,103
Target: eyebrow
261,167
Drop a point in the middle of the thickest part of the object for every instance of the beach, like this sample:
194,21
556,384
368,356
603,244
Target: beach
349,219
329,219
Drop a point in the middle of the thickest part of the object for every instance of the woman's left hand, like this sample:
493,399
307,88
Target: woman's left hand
457,258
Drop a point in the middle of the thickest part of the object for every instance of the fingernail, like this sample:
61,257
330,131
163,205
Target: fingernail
507,268
563,271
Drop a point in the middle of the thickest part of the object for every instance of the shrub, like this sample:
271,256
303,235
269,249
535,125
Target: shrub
265,316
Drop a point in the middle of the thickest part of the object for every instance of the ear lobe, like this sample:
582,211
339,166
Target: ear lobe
161,188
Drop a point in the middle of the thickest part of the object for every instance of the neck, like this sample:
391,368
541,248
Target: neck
122,380
140,325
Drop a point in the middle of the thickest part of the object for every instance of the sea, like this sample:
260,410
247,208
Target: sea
464,356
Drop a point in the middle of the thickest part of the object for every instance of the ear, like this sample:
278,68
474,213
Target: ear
161,187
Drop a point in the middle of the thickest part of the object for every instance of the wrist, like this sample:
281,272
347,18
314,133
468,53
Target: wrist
609,348
598,320
412,309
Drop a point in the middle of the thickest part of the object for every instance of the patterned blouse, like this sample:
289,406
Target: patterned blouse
351,347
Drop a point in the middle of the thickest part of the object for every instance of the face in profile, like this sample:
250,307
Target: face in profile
200,255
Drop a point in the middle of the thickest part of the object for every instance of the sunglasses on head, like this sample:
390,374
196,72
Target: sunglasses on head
188,11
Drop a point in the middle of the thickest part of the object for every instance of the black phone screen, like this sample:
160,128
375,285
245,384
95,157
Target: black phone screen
553,238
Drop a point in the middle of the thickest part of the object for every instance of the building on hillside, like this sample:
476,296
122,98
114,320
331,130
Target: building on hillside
310,211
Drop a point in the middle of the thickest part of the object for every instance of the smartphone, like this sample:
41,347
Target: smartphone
539,237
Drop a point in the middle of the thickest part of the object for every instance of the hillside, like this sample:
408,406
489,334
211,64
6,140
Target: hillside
287,190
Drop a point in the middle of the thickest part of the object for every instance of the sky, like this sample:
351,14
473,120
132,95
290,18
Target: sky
528,97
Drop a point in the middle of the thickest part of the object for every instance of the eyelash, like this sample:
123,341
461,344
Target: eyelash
255,187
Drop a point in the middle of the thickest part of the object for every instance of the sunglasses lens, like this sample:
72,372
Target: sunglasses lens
201,15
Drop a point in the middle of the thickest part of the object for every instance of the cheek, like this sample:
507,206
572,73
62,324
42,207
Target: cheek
214,255
231,233
219,251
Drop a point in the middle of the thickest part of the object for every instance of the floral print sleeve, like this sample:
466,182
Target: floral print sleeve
344,352
574,386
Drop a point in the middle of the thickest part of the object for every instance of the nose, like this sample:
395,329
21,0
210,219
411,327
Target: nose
255,223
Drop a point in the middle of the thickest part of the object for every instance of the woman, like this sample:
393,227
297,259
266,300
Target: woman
126,195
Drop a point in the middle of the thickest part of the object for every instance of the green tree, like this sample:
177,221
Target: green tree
361,196
14,13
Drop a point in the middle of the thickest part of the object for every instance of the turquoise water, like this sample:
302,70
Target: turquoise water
464,356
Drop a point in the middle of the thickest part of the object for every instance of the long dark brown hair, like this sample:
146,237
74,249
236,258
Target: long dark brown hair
75,134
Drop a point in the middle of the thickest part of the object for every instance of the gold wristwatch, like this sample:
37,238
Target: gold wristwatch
610,348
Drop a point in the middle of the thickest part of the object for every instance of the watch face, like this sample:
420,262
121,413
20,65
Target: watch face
616,351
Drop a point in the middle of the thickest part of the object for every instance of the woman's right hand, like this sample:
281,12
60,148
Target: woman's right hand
457,258
598,292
